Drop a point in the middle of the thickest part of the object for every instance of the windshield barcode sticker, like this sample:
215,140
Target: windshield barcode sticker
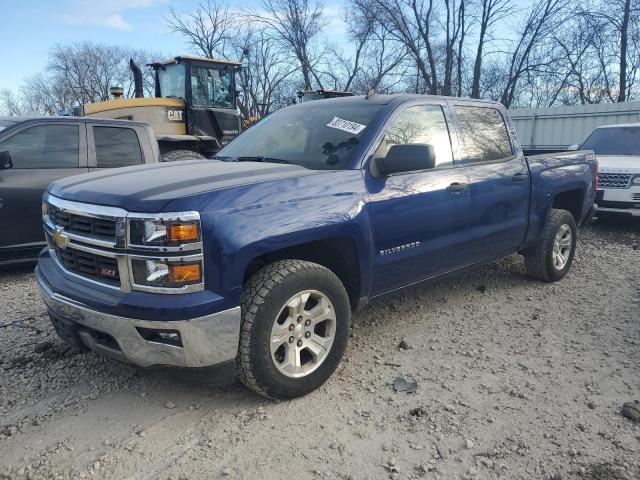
346,125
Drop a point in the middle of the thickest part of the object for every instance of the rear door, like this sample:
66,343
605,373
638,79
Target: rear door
40,153
498,182
418,219
112,146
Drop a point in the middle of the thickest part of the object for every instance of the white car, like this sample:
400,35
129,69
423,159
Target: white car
617,148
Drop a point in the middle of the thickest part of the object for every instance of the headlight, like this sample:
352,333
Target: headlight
636,180
158,273
164,232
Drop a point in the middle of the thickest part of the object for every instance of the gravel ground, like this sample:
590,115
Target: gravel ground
515,379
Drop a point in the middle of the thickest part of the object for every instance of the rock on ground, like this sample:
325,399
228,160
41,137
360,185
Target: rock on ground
517,379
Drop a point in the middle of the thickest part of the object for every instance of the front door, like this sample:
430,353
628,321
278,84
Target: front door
419,219
39,155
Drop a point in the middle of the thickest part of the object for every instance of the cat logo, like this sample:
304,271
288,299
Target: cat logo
60,239
174,115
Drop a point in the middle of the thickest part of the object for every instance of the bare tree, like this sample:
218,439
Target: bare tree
360,30
618,22
296,25
266,68
208,29
491,12
10,104
540,22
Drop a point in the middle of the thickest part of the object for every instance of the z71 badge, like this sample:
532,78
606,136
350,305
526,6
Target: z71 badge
174,115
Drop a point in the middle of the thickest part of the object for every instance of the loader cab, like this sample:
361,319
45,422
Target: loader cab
207,87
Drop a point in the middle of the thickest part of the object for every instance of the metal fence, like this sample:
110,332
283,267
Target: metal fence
555,128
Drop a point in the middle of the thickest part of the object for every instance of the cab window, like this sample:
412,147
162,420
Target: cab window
116,147
172,79
211,87
423,124
484,134
44,146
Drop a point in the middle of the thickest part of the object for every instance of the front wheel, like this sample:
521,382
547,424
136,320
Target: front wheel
552,256
295,326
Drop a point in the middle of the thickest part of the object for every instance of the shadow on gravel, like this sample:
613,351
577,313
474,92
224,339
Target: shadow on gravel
616,228
218,377
17,269
605,471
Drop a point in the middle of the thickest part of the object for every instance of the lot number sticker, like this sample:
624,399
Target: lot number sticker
346,125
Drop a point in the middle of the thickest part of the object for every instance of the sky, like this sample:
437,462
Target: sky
29,28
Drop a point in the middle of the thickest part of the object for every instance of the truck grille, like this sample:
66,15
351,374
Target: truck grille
83,225
92,241
89,265
614,180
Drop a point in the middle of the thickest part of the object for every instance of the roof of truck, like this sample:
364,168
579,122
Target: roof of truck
616,125
54,119
383,99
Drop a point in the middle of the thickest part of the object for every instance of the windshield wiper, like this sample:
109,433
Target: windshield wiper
260,159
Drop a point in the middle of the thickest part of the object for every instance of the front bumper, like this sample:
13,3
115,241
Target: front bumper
634,212
203,341
619,201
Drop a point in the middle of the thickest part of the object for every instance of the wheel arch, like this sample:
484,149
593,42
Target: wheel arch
339,254
571,200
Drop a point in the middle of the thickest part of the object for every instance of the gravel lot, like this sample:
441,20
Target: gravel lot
515,379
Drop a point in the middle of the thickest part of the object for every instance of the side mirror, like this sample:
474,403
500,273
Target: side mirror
407,158
575,146
5,160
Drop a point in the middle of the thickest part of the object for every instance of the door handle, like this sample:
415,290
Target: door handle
519,177
457,187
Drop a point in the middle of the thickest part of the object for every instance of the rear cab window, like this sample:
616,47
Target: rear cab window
116,147
44,146
484,134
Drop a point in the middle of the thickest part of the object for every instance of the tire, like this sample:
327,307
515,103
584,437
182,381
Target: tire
267,314
541,261
175,155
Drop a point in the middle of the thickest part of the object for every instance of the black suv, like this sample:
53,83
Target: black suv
38,150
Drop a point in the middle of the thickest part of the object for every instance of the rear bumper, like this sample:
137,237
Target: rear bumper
196,342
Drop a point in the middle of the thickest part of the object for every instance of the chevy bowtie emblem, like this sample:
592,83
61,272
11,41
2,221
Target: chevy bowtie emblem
60,239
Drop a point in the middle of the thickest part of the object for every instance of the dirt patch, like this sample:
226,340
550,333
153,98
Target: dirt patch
515,379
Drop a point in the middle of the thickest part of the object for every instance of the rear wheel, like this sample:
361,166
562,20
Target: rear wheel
176,155
551,258
295,326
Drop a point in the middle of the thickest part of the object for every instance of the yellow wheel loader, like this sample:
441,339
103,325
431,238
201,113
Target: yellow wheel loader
193,112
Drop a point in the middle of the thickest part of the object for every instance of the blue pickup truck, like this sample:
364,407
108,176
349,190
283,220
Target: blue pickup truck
260,256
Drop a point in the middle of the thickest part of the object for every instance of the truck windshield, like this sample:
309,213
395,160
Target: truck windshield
614,141
318,135
171,79
211,87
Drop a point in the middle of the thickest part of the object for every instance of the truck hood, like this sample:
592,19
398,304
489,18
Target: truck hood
619,163
149,188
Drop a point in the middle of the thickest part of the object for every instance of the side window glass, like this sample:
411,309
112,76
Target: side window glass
116,147
44,146
484,134
423,124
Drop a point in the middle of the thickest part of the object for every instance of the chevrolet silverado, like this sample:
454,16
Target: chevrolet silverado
259,258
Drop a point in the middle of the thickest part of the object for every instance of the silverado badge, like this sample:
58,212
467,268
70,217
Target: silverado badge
60,239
